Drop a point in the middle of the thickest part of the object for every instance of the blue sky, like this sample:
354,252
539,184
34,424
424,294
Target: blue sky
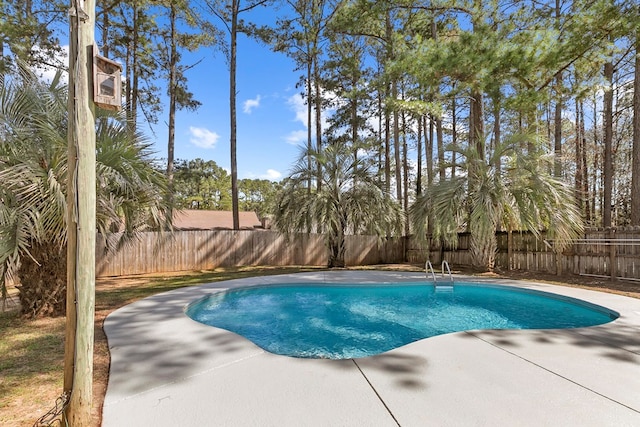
271,115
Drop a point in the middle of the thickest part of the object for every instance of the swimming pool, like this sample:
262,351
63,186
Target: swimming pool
358,320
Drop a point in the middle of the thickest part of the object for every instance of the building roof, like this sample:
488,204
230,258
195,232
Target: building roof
189,219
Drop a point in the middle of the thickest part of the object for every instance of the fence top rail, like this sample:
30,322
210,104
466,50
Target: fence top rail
606,242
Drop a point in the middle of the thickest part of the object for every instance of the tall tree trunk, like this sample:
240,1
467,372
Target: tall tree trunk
387,145
129,74
419,155
396,144
585,166
596,165
608,145
2,68
135,67
173,59
381,146
476,123
440,143
454,135
497,108
318,108
235,6
579,178
557,129
393,92
428,149
439,139
309,121
105,31
635,179
405,176
354,123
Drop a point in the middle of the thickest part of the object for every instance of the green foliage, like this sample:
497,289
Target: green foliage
349,200
346,76
258,195
187,33
26,31
200,184
33,170
134,33
510,189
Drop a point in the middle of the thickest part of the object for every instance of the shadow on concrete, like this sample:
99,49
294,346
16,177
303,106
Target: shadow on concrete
169,346
617,341
408,371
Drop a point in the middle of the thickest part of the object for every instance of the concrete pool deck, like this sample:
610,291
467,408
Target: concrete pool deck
168,370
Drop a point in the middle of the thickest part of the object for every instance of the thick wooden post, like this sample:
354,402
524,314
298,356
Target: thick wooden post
81,216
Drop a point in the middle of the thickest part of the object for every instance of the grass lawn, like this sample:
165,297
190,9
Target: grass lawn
32,351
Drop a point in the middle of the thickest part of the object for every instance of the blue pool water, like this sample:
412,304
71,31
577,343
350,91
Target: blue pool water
341,322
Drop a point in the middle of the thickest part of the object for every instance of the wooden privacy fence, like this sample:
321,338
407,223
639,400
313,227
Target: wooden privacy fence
614,253
608,253
611,253
208,249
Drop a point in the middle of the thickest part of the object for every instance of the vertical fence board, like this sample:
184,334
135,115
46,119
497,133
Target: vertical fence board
208,249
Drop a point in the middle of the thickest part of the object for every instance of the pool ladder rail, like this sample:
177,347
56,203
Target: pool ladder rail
445,286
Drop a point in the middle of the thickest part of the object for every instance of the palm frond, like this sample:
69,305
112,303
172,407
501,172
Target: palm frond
441,210
34,173
510,189
348,201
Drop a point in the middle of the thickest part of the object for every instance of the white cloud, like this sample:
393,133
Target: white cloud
272,175
250,104
296,137
202,137
299,107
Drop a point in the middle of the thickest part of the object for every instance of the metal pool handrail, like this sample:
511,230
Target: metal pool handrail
428,267
446,264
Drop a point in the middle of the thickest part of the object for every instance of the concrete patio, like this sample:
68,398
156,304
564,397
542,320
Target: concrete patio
168,370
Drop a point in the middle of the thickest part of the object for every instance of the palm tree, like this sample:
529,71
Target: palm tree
349,199
33,170
509,190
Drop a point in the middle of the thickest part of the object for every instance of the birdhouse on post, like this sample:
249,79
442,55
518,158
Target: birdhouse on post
107,82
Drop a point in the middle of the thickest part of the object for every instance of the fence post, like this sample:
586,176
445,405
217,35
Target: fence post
510,249
558,257
612,254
